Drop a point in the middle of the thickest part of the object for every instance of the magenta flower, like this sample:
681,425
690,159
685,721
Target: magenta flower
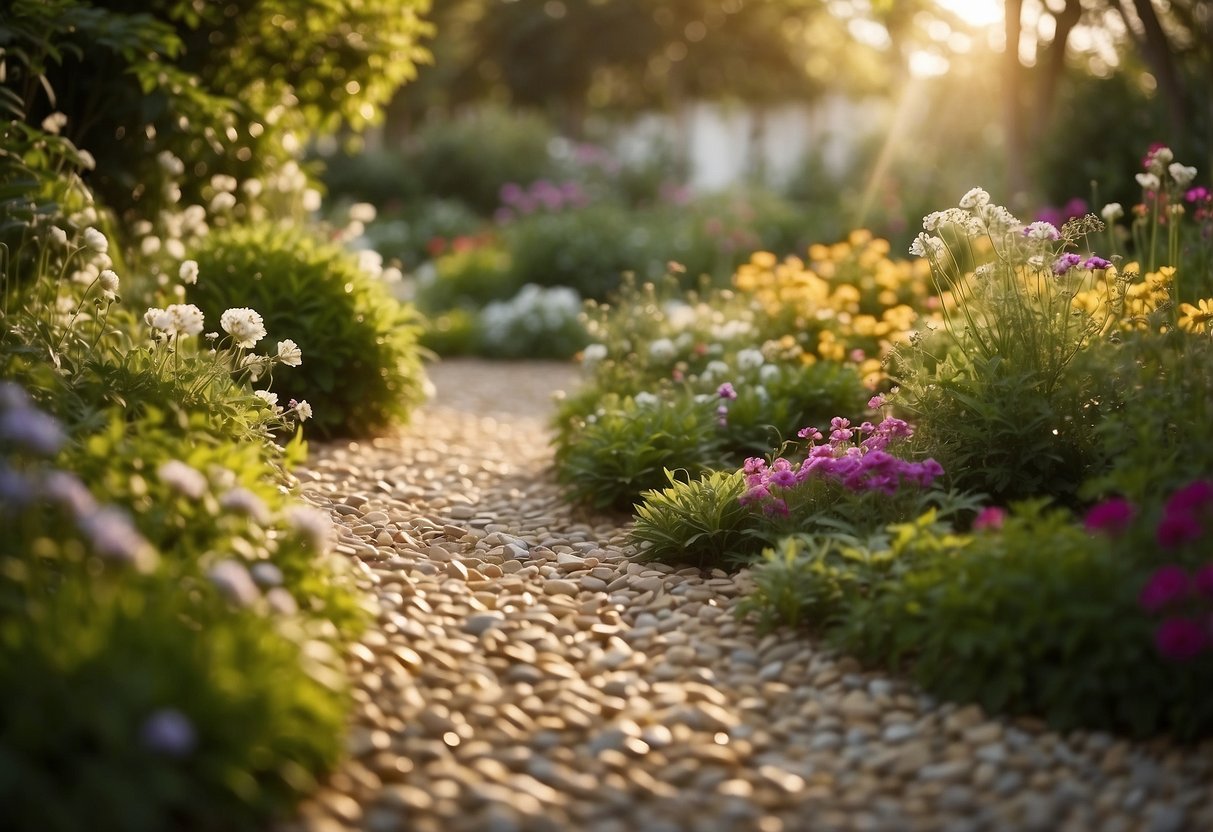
877,401
1176,529
1066,262
1181,639
990,517
1203,580
784,479
810,433
1096,263
1198,194
1193,496
726,391
1167,585
1111,517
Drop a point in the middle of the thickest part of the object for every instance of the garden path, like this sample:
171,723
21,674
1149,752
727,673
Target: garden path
521,673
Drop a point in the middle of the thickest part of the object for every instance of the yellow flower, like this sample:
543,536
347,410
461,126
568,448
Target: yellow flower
1196,318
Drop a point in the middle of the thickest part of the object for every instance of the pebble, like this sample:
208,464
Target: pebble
522,673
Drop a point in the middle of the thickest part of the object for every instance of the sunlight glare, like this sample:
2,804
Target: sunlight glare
979,13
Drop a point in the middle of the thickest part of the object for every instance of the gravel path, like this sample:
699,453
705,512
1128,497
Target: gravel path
523,674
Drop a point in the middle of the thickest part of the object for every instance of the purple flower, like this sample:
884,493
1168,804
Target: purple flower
876,402
1096,263
1111,517
810,433
168,732
990,517
726,391
1203,580
68,491
1167,585
784,479
32,429
1066,262
1181,639
1198,194
1176,529
15,489
234,582
114,536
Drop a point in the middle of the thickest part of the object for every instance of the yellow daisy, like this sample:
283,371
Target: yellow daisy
1196,318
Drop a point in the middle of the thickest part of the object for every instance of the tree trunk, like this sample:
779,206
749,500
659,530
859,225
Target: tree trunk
1052,67
1013,114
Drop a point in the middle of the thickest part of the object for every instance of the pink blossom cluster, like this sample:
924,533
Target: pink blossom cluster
854,456
542,195
1184,597
1187,597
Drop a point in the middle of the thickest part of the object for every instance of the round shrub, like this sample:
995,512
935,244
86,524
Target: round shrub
361,368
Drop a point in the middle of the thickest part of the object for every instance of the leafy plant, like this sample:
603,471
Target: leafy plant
360,356
700,521
626,447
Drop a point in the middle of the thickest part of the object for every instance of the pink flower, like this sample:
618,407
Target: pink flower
1203,580
991,517
1193,496
726,391
1180,639
1167,585
1176,529
1111,517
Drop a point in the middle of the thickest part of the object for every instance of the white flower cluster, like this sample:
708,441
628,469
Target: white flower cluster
533,311
244,325
177,319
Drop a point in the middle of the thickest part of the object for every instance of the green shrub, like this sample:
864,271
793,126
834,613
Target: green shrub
472,157
612,455
588,249
361,364
466,279
1040,617
378,177
535,323
700,521
420,229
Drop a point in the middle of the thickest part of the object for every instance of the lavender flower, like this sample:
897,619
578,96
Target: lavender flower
234,582
31,429
168,732
114,536
726,391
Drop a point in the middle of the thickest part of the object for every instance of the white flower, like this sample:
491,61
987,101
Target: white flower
252,187
95,240
86,160
1182,174
170,164
266,396
1041,230
593,354
645,399
289,353
1159,159
182,478
999,219
768,373
749,359
54,123
240,500
58,236
975,198
715,369
303,410
662,349
311,200
362,212
223,183
1112,212
188,272
1148,181
256,365
108,281
186,318
222,202
244,325
266,573
150,245
158,319
312,523
925,245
